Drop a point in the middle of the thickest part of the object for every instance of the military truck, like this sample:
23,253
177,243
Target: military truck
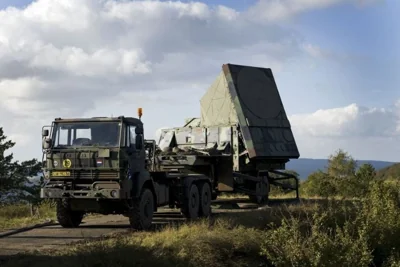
241,143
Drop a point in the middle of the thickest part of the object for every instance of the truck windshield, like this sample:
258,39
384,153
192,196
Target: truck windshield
105,134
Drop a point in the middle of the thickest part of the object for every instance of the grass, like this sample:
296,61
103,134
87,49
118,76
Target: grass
189,245
19,215
274,194
16,216
227,240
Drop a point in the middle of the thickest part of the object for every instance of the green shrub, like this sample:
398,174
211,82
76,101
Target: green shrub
341,233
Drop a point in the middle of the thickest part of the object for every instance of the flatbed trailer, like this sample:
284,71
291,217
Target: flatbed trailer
242,140
248,183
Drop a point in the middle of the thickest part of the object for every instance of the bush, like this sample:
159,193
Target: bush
341,233
342,177
380,217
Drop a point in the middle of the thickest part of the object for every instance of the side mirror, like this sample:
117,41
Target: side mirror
139,142
45,133
46,143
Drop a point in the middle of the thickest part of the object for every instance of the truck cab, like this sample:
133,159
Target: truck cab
95,165
93,150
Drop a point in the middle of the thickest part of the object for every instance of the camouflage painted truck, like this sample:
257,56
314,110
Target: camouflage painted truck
104,165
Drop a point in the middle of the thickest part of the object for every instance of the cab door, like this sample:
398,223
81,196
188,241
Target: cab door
135,151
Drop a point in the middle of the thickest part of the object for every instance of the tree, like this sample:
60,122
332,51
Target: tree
5,161
363,178
341,165
319,183
14,175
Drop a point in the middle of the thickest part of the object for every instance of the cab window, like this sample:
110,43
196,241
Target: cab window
130,135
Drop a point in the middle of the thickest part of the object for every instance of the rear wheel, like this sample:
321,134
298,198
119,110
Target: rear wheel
141,216
205,199
262,191
191,203
66,217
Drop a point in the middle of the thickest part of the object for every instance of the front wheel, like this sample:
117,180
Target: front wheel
66,217
141,215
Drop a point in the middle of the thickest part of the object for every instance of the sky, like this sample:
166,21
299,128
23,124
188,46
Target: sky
334,62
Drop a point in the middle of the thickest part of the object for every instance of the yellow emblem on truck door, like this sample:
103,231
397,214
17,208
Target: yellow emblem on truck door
67,163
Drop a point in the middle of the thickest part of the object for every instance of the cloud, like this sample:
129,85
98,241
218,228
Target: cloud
73,58
274,10
351,121
54,53
62,57
365,132
345,59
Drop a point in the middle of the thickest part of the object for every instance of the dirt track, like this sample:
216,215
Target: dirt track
49,237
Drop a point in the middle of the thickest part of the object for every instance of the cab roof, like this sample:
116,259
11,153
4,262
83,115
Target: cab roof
128,120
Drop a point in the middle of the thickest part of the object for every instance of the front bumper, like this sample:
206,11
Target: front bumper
55,193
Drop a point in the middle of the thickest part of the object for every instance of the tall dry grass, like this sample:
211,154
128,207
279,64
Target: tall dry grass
20,215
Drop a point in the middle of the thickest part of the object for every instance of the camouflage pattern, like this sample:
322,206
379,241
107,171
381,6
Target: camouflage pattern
200,138
89,172
216,106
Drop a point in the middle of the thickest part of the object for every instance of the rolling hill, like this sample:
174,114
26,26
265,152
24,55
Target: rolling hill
305,166
392,171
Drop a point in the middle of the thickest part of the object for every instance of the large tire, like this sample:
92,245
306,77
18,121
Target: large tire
141,216
190,207
205,199
261,187
66,217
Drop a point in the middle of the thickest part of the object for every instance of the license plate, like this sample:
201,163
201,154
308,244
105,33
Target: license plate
58,174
